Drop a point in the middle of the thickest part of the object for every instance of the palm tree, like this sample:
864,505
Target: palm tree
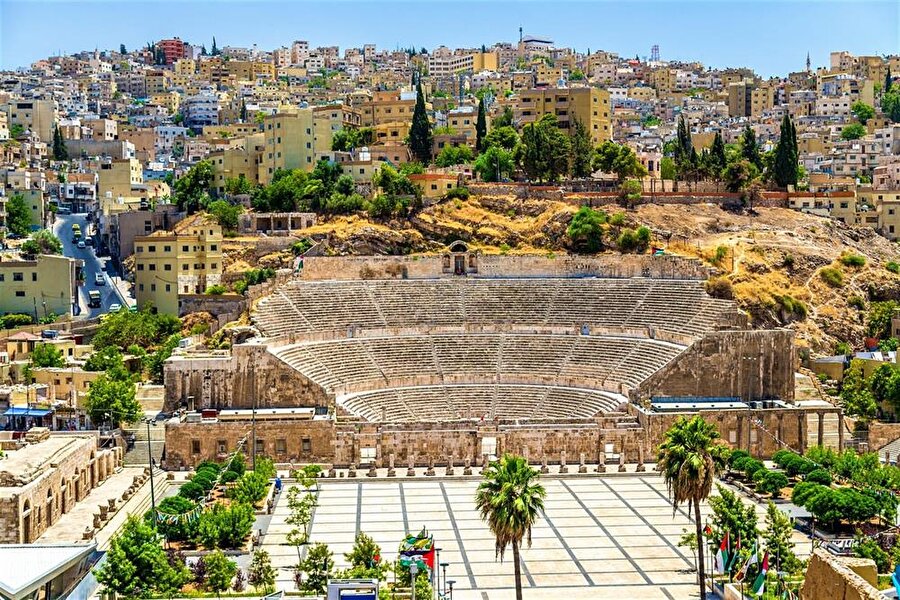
689,459
510,499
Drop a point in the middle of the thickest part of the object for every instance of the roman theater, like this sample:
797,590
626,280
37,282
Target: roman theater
367,362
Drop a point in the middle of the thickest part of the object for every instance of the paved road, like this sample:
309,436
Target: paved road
109,294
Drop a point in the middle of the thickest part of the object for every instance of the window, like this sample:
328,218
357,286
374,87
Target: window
195,446
367,455
732,436
20,293
34,276
168,288
167,248
140,267
18,277
221,447
184,248
260,446
306,445
280,446
213,247
167,267
489,446
152,287
151,248
141,287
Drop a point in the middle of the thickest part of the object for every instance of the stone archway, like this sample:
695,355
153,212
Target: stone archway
26,522
49,507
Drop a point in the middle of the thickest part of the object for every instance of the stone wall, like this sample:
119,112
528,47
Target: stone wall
496,266
830,577
225,307
57,483
752,365
249,374
882,434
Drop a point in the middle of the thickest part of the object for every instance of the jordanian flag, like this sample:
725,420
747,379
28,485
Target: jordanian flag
734,556
722,554
760,584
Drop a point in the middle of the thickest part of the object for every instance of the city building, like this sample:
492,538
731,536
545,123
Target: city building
591,106
38,286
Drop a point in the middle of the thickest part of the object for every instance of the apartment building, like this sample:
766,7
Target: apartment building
185,261
173,49
38,286
591,106
288,143
201,109
232,163
37,115
328,120
128,225
119,178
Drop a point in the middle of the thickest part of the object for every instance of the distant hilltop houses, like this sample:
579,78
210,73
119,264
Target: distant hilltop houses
115,131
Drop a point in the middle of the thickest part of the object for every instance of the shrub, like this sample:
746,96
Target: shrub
804,491
14,320
216,290
772,483
720,254
298,248
740,461
820,476
617,219
893,267
780,457
250,489
225,527
788,261
798,465
192,491
870,548
853,260
238,465
832,276
265,467
204,481
856,302
209,464
177,531
792,306
458,193
720,287
735,456
208,472
751,467
229,476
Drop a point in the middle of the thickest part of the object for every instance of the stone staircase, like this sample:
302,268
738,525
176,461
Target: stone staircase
137,456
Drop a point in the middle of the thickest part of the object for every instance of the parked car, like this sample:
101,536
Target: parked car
99,279
89,241
81,244
115,307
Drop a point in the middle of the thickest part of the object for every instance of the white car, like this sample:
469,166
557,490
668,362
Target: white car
81,244
99,280
115,307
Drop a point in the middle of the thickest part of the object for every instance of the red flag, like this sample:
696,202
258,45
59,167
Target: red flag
428,558
708,530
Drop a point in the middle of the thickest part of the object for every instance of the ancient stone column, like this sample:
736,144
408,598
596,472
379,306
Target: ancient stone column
563,468
841,433
391,472
544,468
601,463
372,471
411,466
351,472
582,468
467,468
449,470
96,521
430,471
821,435
641,467
622,461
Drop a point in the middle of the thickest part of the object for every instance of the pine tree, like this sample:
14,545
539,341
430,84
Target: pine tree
203,51
122,49
777,537
785,165
480,126
420,137
749,148
243,111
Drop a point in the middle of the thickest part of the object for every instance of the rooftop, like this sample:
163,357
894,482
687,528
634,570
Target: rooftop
21,467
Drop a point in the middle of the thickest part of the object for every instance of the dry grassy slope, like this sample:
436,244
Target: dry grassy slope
758,246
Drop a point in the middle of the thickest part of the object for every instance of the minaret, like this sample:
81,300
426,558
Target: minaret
808,69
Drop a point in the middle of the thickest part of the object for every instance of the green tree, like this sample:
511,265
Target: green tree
136,564
611,157
250,488
112,400
866,547
220,571
731,515
420,137
223,526
364,553
717,159
239,185
155,361
107,358
862,111
855,394
586,229
42,242
493,163
18,217
505,119
510,499
546,150
317,566
582,151
480,126
225,213
750,149
777,539
888,81
853,131
260,574
60,152
505,137
179,530
878,318
684,152
785,164
738,175
214,51
192,189
667,168
122,49
144,329
689,459
47,355
454,155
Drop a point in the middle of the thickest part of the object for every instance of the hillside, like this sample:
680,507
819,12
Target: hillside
772,258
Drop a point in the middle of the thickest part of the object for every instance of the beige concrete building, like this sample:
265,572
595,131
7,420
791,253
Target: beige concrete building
186,261
36,115
591,106
40,286
289,143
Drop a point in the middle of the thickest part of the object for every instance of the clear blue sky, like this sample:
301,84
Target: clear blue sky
771,36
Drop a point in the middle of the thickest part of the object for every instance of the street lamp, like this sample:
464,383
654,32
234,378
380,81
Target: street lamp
450,583
436,575
443,566
413,570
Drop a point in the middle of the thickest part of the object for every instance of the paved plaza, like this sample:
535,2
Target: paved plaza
601,537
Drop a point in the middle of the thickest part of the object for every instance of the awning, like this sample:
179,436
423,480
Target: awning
18,411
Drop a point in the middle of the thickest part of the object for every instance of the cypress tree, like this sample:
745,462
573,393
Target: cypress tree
888,81
717,158
215,49
581,150
785,165
480,126
60,152
420,138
